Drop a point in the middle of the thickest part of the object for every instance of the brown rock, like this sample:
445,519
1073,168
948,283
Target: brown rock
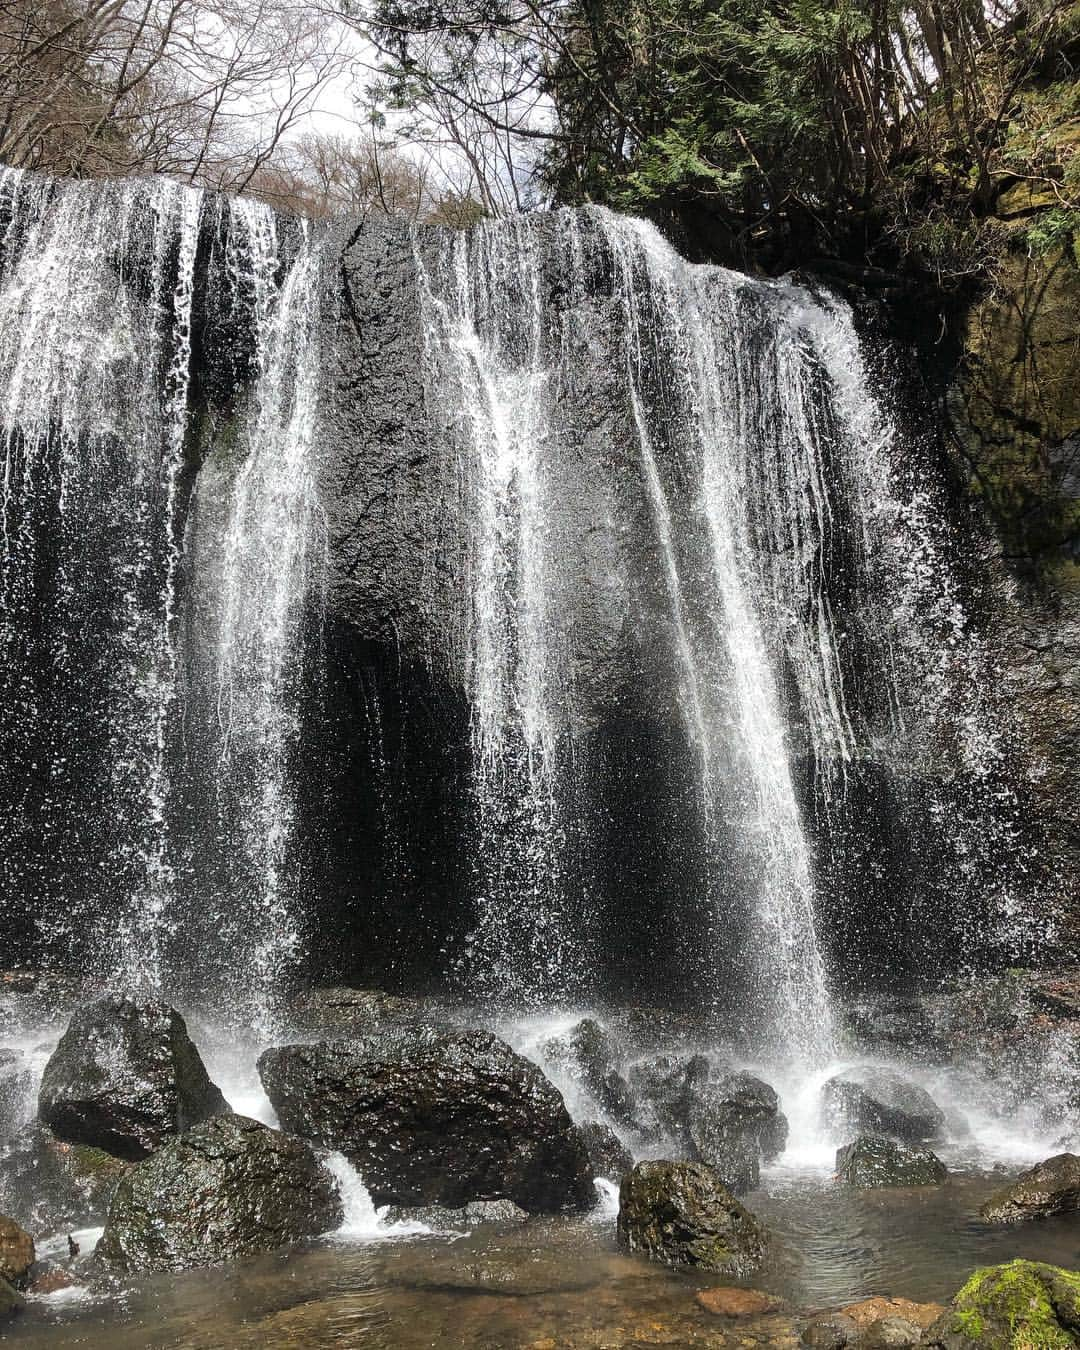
51,1281
872,1310
16,1252
727,1301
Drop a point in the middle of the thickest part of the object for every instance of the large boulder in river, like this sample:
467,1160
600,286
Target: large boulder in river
874,1160
227,1188
125,1077
608,1155
869,1100
1022,1305
1050,1187
681,1213
48,1184
733,1122
432,1116
661,1089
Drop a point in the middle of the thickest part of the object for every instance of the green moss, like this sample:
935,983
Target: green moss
1016,1307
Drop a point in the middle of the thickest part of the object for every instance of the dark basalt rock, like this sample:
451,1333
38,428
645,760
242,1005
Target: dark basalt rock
47,1184
125,1077
733,1122
681,1213
341,1011
1050,1187
1020,1304
608,1156
880,1101
587,1054
17,1106
432,1116
874,1160
226,1188
503,1213
662,1089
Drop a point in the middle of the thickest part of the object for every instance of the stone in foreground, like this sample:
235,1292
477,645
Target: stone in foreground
47,1184
869,1100
124,1078
874,1160
16,1252
227,1188
1023,1305
680,1213
430,1116
1050,1187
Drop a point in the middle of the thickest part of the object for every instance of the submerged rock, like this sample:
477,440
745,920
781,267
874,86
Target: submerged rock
1050,1187
16,1252
608,1156
125,1077
681,1213
872,1324
735,1302
881,1101
226,1188
874,1160
439,1217
433,1116
47,1184
1010,1307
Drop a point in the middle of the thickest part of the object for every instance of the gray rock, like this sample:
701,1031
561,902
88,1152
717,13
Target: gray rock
1050,1187
662,1089
608,1157
733,1122
17,1104
587,1054
831,1332
681,1213
477,1212
433,1116
125,1077
874,1160
880,1101
47,1184
889,1332
228,1187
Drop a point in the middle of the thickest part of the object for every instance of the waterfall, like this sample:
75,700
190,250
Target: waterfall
118,672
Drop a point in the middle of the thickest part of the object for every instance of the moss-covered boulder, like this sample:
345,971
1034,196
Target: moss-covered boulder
1023,1305
47,1184
874,1160
1050,1187
680,1213
227,1188
16,1252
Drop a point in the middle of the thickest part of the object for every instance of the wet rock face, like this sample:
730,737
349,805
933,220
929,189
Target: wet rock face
608,1157
873,1160
48,1184
1022,1303
227,1188
730,1121
16,1092
431,1116
125,1077
680,1213
1051,1187
880,1101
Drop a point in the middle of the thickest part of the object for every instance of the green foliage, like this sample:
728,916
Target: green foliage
1023,1305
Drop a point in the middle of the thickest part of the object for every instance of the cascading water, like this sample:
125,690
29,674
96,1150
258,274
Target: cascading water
120,668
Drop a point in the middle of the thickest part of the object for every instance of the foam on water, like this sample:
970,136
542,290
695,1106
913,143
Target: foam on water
362,1221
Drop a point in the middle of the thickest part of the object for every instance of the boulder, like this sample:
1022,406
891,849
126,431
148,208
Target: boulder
226,1188
890,1333
11,1301
874,1160
608,1156
17,1105
1050,1187
434,1116
870,1310
661,1090
125,1077
1019,1304
831,1331
16,1252
733,1122
47,1184
869,1100
681,1213
587,1055
732,1301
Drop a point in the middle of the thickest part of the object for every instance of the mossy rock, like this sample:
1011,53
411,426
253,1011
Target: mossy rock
681,1213
872,1160
1023,1305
